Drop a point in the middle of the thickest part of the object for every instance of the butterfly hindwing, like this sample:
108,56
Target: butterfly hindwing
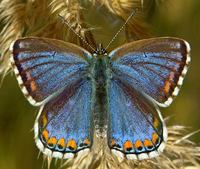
154,66
45,66
64,125
135,126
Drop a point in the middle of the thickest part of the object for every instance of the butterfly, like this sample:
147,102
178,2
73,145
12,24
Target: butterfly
118,93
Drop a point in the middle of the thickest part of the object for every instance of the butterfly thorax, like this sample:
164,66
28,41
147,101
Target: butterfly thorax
100,67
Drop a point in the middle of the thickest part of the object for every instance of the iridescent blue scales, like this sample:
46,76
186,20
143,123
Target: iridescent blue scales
131,82
154,66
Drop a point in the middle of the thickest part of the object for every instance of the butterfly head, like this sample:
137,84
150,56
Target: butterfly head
100,51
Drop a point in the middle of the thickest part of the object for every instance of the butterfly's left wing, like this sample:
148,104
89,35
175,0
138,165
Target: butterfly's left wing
55,75
154,66
135,126
44,67
64,125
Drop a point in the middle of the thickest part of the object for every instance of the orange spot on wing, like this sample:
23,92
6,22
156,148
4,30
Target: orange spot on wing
155,123
86,141
72,144
61,142
113,142
168,83
167,86
45,135
44,120
33,85
52,141
128,145
138,144
147,143
155,138
30,79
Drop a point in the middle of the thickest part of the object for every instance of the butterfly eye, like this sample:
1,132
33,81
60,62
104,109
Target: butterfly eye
94,54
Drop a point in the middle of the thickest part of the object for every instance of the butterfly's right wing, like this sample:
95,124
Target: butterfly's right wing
44,67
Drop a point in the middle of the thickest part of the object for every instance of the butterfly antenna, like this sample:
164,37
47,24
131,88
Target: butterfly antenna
70,27
133,13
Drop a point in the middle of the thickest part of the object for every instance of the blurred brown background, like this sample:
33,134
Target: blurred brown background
179,18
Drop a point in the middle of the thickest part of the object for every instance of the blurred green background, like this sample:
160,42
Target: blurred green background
179,18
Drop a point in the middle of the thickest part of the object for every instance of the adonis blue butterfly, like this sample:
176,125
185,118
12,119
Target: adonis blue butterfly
118,94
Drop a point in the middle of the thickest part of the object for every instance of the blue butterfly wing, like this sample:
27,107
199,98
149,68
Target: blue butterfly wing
44,67
154,66
135,126
64,125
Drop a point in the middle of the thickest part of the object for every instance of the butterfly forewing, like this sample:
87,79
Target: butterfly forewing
46,66
154,66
